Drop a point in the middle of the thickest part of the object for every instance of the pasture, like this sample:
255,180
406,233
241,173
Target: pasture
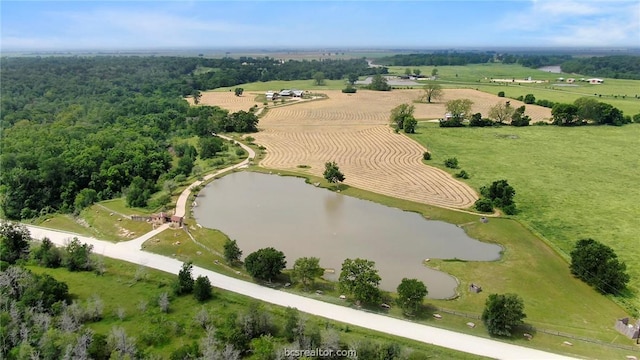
623,94
571,183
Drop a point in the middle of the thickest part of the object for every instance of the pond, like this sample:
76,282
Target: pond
299,219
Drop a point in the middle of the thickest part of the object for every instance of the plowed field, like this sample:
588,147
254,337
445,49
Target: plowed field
353,130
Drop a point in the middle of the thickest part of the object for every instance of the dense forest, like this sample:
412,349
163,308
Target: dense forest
81,129
617,67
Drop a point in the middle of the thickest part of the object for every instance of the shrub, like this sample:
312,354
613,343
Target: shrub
349,90
451,163
529,99
484,205
240,152
426,155
501,94
510,209
636,118
202,289
462,174
482,122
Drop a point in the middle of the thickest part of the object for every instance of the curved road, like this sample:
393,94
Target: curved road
130,251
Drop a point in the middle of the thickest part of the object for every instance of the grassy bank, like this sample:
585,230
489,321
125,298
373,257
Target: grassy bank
571,183
125,286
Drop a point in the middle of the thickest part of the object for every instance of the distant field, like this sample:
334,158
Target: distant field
571,183
478,76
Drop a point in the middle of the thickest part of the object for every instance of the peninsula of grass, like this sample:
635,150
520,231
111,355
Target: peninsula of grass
571,183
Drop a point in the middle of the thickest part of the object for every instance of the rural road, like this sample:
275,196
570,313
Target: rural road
130,251
181,204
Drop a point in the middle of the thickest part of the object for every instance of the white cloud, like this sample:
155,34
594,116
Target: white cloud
571,23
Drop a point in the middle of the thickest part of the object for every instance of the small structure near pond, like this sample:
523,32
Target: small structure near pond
625,327
475,288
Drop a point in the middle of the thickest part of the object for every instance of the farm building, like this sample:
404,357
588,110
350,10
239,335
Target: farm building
163,218
285,93
571,80
271,95
595,81
297,93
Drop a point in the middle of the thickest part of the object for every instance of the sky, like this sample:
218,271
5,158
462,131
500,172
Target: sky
120,25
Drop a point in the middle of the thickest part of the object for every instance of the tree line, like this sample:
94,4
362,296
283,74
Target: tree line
616,66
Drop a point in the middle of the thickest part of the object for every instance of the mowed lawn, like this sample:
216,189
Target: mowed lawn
571,183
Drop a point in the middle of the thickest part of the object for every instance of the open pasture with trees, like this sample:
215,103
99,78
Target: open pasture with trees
571,183
621,93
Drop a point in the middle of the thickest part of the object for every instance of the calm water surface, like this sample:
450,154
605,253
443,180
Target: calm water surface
261,210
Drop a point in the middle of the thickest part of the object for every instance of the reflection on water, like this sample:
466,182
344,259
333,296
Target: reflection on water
260,210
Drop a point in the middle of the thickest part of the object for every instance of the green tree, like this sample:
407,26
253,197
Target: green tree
565,115
265,264
503,313
185,165
431,91
411,293
306,269
238,91
598,265
15,242
291,321
210,146
202,289
232,252
243,121
407,71
318,78
45,291
138,193
379,83
77,256
352,78
434,72
360,278
349,89
47,254
196,96
484,205
263,348
460,109
451,163
529,99
400,114
501,112
332,172
184,284
410,125
417,71
85,198
519,118
499,192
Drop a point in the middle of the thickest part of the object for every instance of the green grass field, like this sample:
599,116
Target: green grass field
478,76
160,334
571,183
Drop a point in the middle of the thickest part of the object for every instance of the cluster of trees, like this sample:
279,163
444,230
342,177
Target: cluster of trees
186,284
402,118
500,195
586,110
379,83
598,265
